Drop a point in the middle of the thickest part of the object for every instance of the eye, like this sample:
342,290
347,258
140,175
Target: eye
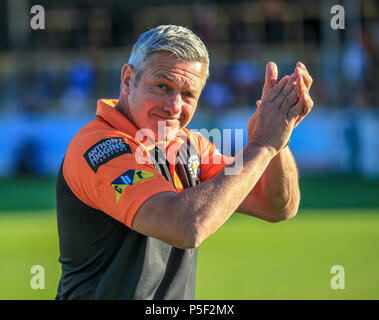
187,94
162,86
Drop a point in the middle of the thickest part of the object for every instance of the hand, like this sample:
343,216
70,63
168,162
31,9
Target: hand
272,124
304,84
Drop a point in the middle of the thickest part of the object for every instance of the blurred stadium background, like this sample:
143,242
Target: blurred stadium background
50,80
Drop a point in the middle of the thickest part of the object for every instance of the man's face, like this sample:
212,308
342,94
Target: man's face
167,92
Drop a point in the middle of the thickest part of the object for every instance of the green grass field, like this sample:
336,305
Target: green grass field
246,259
252,259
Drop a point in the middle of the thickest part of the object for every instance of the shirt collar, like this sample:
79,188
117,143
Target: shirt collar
107,111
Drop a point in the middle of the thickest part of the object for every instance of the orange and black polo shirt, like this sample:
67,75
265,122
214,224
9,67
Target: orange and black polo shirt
106,175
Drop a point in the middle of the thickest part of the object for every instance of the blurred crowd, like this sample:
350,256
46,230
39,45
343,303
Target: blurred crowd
50,79
78,58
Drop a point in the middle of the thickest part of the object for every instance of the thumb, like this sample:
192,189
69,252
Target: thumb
258,102
271,75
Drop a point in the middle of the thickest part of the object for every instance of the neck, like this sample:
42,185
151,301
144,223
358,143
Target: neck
119,107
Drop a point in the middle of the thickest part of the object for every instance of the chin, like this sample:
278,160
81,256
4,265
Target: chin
166,133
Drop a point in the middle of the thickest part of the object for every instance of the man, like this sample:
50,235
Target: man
135,199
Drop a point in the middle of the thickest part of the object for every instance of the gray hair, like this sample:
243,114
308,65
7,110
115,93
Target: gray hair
180,41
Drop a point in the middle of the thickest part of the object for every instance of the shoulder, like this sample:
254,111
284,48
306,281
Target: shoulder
95,131
97,143
95,152
101,162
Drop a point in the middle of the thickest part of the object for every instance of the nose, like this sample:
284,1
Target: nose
174,104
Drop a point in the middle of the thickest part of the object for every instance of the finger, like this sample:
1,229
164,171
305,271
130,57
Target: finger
303,67
300,117
301,87
295,111
307,107
307,78
291,85
284,79
298,120
290,100
308,104
275,91
258,102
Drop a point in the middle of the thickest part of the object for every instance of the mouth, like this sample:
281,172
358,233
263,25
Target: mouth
165,118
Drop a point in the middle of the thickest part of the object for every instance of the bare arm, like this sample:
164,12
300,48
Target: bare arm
276,195
186,219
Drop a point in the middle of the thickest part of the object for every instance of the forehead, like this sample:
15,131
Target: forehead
168,66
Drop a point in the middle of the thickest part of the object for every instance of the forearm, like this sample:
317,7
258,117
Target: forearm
185,219
281,183
217,199
276,196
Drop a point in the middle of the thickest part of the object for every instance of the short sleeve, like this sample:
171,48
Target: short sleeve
119,185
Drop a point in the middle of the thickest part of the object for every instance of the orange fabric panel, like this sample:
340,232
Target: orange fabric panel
101,169
119,186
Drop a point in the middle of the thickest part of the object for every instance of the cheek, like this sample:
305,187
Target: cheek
141,107
187,114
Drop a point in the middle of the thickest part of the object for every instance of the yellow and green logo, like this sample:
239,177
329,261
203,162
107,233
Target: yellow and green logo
128,178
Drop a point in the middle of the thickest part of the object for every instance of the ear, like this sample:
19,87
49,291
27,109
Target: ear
127,78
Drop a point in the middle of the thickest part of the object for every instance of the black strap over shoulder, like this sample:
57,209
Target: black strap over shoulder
161,163
187,164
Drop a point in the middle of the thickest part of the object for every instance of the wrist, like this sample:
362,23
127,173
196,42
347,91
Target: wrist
261,148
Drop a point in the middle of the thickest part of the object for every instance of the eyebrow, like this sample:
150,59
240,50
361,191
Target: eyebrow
164,76
172,80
